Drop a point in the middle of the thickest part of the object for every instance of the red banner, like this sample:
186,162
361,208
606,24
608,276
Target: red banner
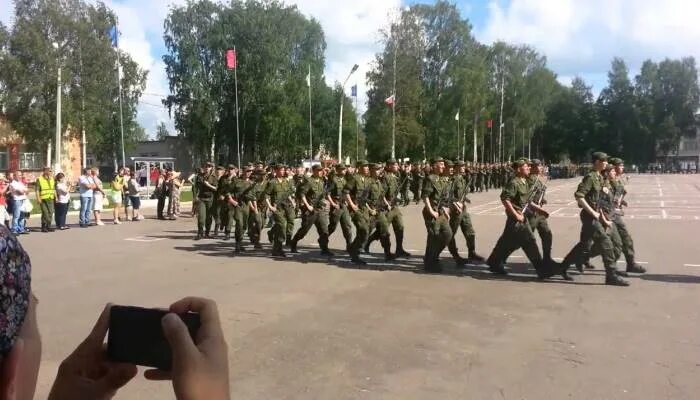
489,123
231,59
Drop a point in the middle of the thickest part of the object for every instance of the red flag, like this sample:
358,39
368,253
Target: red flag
489,123
231,59
390,100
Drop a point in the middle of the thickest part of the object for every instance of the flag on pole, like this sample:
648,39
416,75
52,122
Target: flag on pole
308,79
457,116
353,91
503,124
489,123
390,101
231,59
113,35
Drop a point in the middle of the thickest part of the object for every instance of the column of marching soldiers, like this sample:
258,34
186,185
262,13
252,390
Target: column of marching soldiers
366,200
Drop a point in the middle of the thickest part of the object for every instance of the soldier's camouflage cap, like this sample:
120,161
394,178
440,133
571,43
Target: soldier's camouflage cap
599,156
535,161
209,164
616,161
375,165
220,167
449,163
519,163
340,166
280,166
460,163
231,166
361,163
391,161
316,167
437,160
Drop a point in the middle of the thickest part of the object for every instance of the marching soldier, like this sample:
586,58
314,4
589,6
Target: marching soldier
536,216
339,208
258,210
225,208
416,181
619,193
206,192
315,206
517,232
393,215
356,192
219,204
405,179
593,224
279,201
240,200
436,215
459,218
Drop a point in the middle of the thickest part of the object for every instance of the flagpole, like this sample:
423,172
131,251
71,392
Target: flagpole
357,128
457,133
311,142
238,135
393,108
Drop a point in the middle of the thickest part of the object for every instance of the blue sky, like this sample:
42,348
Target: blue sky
579,37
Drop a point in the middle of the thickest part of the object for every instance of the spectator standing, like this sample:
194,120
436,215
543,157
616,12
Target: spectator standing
161,193
98,197
134,193
19,196
46,195
62,201
141,175
174,204
86,187
118,194
125,194
4,215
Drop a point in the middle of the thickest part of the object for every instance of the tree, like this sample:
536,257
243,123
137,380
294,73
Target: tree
162,131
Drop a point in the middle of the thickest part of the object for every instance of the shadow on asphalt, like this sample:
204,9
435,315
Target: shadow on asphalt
671,278
520,272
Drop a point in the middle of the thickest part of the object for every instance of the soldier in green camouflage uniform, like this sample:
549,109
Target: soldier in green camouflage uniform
279,201
339,209
356,193
417,177
517,232
436,215
405,178
459,218
206,193
390,182
240,199
619,193
594,225
225,208
257,210
313,198
536,216
219,204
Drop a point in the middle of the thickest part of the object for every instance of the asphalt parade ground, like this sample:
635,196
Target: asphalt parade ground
309,327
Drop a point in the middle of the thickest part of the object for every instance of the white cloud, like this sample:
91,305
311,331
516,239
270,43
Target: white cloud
581,37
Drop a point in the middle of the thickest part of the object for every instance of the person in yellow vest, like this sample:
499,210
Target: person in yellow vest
45,196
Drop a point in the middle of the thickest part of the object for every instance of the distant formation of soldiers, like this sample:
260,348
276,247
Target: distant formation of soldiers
366,200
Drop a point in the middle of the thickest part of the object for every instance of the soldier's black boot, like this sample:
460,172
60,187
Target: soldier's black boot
355,258
471,247
386,245
611,278
400,252
496,267
278,252
293,246
634,267
257,245
227,236
239,248
372,237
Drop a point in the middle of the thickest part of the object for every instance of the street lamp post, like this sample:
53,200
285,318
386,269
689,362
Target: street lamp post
57,165
340,120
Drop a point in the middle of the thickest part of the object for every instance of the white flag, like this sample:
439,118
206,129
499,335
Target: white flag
308,79
457,116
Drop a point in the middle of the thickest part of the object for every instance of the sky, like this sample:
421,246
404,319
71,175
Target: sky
579,37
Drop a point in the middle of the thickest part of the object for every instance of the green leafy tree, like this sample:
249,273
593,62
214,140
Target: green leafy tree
162,131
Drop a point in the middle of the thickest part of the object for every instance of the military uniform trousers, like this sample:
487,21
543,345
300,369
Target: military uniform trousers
226,212
538,223
593,235
596,250
341,215
255,225
362,221
204,214
516,235
241,214
625,238
439,236
216,211
319,218
464,222
47,210
281,220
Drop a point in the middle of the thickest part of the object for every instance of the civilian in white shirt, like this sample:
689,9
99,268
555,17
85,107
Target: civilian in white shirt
62,201
19,196
86,187
98,196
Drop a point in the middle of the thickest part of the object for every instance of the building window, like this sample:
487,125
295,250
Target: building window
4,160
30,160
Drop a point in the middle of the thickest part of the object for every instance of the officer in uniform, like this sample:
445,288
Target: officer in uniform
619,193
536,215
224,195
45,195
314,203
594,225
206,191
339,209
279,201
459,218
356,193
436,215
240,199
517,232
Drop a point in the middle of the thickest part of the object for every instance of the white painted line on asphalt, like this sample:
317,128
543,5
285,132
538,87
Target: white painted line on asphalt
556,211
664,215
144,239
480,212
691,265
